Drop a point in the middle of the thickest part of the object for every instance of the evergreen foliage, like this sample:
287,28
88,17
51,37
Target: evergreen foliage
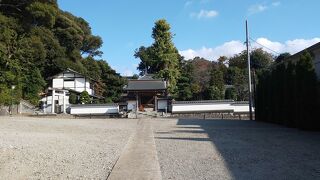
216,85
84,98
38,40
184,85
288,94
73,98
162,57
231,94
206,80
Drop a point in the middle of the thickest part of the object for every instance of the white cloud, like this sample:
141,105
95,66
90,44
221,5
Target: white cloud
227,49
127,72
234,47
257,8
205,14
188,3
276,4
291,46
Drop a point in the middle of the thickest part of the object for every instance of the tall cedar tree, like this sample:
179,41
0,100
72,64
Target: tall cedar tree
184,84
162,57
216,88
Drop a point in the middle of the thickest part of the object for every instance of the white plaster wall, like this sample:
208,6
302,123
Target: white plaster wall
69,84
177,108
57,83
80,82
185,108
241,108
94,110
87,84
82,85
90,91
48,100
79,89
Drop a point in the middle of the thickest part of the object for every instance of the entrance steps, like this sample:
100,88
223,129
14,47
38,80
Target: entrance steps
147,114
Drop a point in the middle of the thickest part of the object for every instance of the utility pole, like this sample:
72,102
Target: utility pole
249,71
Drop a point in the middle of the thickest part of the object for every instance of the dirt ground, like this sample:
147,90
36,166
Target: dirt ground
34,148
235,149
51,148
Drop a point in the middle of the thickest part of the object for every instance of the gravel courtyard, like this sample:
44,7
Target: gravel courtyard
51,148
233,149
34,148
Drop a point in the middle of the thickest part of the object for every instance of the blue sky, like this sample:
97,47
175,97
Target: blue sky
206,28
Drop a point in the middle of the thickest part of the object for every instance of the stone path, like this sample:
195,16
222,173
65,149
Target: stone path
139,159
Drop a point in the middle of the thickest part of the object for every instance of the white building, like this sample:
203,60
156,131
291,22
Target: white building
61,85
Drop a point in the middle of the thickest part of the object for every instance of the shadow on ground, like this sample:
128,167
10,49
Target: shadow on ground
256,150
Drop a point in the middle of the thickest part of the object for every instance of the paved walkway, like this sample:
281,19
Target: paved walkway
139,159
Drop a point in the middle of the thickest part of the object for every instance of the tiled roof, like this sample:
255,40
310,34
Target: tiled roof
146,85
148,77
203,102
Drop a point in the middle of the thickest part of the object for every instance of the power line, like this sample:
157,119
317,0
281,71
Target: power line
265,46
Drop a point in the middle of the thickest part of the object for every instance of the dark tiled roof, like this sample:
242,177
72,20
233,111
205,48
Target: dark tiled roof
149,77
203,102
68,70
146,85
95,105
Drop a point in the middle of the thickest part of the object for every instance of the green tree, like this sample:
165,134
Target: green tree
84,98
216,79
287,94
112,82
259,59
238,78
307,88
230,93
33,84
92,67
162,56
216,85
214,93
53,50
38,40
282,57
135,76
42,14
147,64
197,92
91,45
73,98
184,83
